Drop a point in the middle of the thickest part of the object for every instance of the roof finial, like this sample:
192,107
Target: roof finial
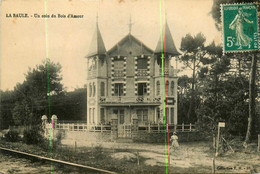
130,24
97,18
165,17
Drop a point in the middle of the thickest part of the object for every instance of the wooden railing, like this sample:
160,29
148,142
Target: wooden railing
83,127
171,127
150,128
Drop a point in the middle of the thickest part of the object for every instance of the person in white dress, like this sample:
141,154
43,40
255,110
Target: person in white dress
174,139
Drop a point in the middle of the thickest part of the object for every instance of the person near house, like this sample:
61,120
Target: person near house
174,139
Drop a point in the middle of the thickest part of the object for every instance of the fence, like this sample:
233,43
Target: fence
82,127
151,128
156,128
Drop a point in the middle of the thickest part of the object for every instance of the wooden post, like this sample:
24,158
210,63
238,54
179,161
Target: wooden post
217,141
213,165
158,127
190,127
101,128
214,142
149,127
182,127
258,143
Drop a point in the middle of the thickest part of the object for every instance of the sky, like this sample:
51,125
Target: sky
26,42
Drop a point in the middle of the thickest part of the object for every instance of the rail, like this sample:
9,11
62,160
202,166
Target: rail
156,128
90,169
149,127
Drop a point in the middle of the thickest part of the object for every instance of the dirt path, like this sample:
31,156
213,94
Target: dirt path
189,157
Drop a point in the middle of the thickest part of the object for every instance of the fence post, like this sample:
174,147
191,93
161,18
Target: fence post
190,127
258,142
158,127
182,127
149,127
101,128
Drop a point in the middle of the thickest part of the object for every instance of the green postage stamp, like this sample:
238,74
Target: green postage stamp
240,27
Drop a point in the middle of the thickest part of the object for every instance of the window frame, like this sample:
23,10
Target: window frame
119,89
142,89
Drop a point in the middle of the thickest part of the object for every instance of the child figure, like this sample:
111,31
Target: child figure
174,139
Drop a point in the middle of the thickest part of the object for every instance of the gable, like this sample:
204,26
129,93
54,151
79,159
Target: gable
129,45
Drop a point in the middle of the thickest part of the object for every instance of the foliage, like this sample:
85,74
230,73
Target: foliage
34,136
215,11
252,117
70,105
193,55
32,95
12,136
7,99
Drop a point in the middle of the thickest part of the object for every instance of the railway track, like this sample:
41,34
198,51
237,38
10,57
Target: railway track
87,169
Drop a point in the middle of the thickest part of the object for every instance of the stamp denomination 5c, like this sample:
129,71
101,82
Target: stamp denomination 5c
240,27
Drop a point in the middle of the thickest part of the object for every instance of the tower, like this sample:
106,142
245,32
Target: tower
164,52
96,78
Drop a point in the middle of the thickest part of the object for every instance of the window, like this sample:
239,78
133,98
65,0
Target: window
158,114
167,88
172,115
172,87
102,115
89,115
93,118
119,89
90,90
142,115
120,115
94,89
142,63
102,89
158,87
142,89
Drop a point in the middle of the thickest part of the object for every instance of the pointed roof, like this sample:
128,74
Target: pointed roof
130,44
168,46
97,46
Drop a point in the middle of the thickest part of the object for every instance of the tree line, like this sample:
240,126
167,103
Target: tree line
222,87
41,93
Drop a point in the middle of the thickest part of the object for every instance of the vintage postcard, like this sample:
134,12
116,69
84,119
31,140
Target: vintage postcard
129,86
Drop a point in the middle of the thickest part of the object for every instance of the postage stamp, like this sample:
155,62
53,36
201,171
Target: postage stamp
240,27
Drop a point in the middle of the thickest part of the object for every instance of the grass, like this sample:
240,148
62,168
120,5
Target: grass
96,156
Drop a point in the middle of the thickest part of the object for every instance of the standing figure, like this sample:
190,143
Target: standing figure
238,25
174,139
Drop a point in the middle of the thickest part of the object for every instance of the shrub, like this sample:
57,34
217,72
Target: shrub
12,136
33,136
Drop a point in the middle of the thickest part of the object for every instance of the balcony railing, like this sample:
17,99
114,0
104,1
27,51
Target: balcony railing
169,71
125,99
142,72
118,73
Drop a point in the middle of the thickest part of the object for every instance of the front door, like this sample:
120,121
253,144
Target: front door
121,120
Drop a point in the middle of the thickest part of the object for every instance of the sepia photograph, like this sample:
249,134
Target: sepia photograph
129,86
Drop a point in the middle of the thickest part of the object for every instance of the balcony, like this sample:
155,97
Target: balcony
142,72
130,101
118,73
169,72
